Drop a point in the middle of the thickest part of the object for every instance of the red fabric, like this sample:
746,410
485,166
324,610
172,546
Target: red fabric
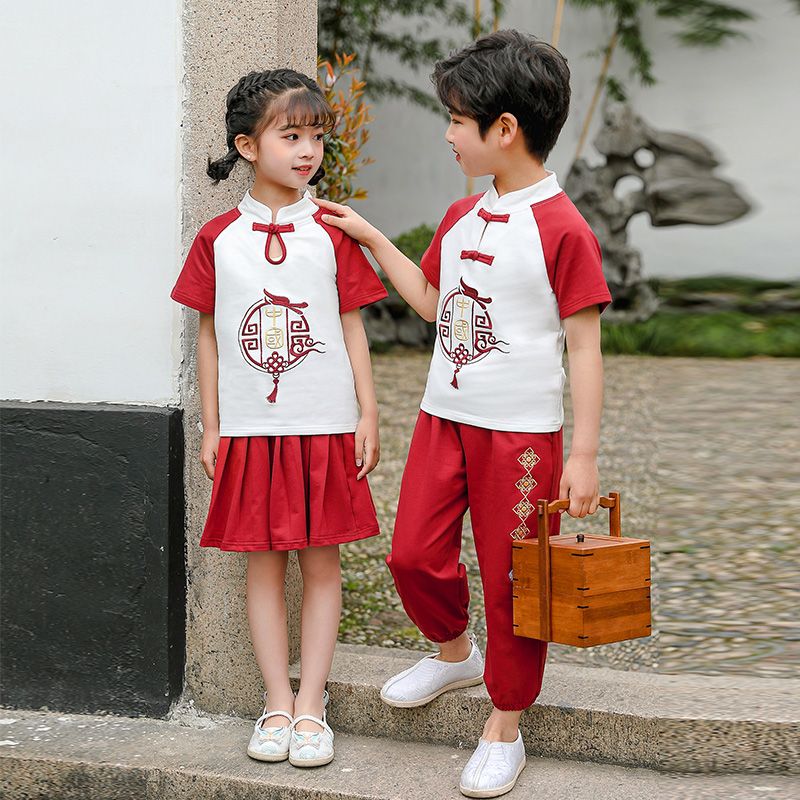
287,493
475,255
431,263
196,285
452,466
274,230
356,280
486,216
572,255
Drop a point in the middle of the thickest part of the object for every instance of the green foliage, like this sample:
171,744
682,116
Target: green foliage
720,335
401,29
746,288
345,143
415,242
702,23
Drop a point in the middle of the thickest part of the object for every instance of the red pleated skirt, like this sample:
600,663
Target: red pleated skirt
287,493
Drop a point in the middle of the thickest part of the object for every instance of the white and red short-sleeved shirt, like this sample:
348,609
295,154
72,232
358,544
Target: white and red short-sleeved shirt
508,270
283,364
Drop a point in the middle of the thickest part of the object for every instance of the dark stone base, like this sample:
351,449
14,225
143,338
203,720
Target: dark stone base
92,570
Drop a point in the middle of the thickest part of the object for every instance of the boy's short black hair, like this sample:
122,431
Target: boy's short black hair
512,72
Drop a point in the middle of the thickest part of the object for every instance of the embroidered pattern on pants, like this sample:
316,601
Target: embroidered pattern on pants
526,484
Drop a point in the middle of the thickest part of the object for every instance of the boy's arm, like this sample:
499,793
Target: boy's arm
404,274
580,480
207,372
368,449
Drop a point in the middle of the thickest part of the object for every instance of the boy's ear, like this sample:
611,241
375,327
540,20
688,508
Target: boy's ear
507,127
246,147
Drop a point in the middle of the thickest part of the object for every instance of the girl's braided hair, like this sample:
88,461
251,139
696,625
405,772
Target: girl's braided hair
257,99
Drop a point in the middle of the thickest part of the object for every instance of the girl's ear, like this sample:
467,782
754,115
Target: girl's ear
246,147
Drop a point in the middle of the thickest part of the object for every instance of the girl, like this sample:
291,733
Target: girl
290,420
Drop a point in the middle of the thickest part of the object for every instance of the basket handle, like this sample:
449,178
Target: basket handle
611,503
545,509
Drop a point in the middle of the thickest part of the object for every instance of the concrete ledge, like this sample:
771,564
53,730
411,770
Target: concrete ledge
47,756
688,723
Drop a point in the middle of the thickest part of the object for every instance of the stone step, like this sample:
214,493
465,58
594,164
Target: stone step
680,723
44,756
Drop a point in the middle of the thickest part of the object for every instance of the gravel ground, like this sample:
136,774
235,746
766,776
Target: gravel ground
704,454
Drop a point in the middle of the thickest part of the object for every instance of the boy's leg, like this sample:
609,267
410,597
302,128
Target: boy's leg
425,564
426,545
507,473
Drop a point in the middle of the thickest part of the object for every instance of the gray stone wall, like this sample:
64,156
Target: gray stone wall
223,40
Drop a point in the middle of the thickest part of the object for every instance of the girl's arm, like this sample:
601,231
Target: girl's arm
368,449
404,274
580,481
209,399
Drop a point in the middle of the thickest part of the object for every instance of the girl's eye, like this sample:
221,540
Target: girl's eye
319,137
292,136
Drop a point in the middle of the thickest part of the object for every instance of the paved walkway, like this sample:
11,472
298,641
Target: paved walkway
704,452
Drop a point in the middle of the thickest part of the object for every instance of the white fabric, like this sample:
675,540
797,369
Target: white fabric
518,385
315,396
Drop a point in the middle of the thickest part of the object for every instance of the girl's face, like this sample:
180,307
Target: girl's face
475,156
284,154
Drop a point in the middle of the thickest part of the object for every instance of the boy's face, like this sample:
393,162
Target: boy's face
474,155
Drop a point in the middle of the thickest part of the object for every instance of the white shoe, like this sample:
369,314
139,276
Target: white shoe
430,677
270,743
308,749
493,768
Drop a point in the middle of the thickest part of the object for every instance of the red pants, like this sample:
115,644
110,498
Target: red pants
451,467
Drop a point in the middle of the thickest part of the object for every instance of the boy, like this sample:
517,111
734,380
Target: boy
510,274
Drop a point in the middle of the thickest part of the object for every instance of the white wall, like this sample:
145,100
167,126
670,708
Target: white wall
90,208
741,98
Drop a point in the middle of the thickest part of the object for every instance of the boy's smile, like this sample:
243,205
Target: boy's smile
476,156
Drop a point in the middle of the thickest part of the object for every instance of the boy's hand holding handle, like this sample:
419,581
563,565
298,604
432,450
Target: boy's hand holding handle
580,484
404,274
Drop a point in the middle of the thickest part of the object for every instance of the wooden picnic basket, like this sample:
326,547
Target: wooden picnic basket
581,589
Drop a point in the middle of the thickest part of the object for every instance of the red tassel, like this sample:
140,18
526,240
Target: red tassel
274,393
454,382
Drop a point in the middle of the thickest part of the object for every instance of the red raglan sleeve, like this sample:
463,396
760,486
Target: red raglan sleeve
431,263
196,284
573,257
356,281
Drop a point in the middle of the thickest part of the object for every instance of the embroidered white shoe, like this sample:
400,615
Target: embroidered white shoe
493,768
430,677
308,749
270,743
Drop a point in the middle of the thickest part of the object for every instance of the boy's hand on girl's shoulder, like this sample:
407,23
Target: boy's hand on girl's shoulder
208,451
343,217
580,484
368,446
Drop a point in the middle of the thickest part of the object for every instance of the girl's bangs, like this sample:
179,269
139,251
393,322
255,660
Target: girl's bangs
303,109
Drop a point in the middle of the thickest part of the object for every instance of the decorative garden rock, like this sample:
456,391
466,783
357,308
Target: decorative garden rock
678,187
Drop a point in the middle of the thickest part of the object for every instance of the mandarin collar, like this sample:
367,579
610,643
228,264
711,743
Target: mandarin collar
544,189
304,208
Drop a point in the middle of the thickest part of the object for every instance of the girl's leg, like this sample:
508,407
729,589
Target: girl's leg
319,627
266,612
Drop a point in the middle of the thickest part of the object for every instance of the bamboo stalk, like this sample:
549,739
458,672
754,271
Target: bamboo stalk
598,90
476,27
557,23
